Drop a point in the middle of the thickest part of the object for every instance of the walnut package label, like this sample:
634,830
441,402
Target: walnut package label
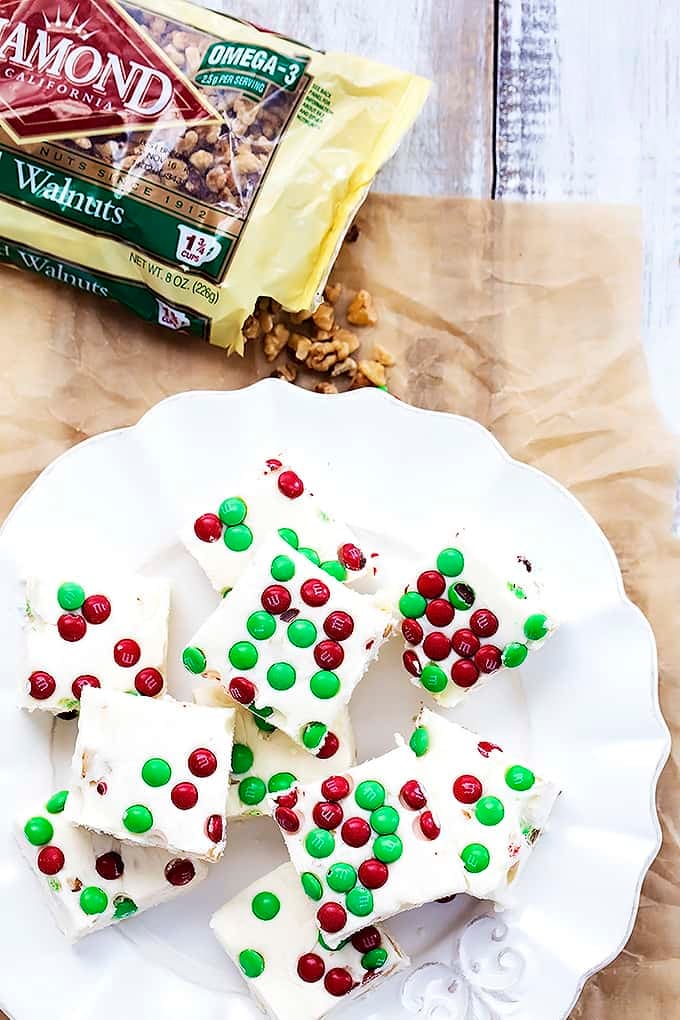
186,153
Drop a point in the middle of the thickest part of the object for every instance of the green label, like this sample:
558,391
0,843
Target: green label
114,214
135,296
249,68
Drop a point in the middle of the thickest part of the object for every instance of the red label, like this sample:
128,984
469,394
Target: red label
84,67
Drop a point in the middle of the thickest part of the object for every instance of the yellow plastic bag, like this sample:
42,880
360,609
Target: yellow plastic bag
183,162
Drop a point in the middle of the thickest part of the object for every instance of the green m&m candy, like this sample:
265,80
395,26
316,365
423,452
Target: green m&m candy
335,569
412,605
359,901
194,659
55,804
252,790
319,843
260,715
243,655
38,831
123,906
324,684
281,676
370,794
450,562
239,538
514,654
281,781
475,858
156,772
265,906
242,759
387,849
311,885
489,811
70,596
289,536
374,959
251,963
137,818
519,778
536,627
433,678
341,877
385,820
93,900
301,633
461,596
312,735
232,511
261,625
420,741
311,555
282,568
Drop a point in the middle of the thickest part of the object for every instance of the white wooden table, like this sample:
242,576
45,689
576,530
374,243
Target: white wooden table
556,99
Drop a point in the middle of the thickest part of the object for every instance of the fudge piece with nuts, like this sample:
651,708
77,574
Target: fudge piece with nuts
269,931
265,761
467,614
97,630
290,643
155,773
226,532
92,880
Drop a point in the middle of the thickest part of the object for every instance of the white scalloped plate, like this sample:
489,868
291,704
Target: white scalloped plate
585,709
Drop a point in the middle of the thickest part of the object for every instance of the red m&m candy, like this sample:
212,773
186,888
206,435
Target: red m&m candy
431,584
467,789
484,623
338,981
335,788
110,866
83,681
412,631
315,593
290,484
488,659
242,690
202,762
485,748
332,917
41,685
411,795
440,613
208,528
287,819
149,682
276,599
310,968
328,654
71,626
327,814
50,860
464,673
412,663
126,652
351,556
96,609
184,796
428,825
329,747
214,828
338,625
373,873
180,871
437,646
366,939
356,832
465,643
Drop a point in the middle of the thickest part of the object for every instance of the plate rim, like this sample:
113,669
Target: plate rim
298,393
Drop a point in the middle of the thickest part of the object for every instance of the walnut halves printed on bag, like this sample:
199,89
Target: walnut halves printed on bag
183,162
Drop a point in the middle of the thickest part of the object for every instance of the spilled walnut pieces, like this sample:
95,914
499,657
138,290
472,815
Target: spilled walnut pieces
319,342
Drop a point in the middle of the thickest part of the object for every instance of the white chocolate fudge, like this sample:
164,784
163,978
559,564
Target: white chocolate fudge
98,631
264,760
447,814
357,842
269,931
290,643
225,536
92,880
467,613
152,772
487,808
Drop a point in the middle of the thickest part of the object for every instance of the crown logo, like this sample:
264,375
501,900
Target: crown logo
69,26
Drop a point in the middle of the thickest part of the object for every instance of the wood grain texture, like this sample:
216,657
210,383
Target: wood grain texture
588,95
449,151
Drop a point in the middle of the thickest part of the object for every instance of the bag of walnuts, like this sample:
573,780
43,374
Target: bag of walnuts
183,162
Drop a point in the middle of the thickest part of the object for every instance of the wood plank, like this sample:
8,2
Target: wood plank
449,151
587,105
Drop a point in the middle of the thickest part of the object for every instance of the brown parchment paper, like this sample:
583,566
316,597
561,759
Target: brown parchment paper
525,317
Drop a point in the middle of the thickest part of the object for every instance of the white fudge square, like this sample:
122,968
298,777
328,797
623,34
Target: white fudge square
92,880
291,643
469,611
267,761
269,931
279,496
490,806
356,841
99,630
153,772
